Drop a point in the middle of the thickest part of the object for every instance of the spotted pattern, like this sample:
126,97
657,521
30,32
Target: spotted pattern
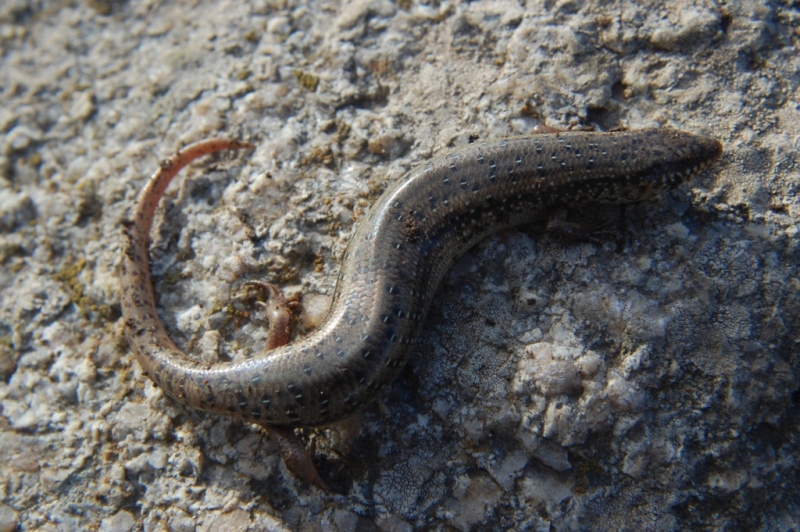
394,263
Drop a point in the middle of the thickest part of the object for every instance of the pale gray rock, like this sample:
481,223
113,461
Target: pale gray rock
8,519
122,521
646,379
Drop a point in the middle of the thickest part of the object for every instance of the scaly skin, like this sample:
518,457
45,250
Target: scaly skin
398,254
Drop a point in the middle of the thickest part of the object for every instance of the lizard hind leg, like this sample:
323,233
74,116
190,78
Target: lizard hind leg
279,314
295,455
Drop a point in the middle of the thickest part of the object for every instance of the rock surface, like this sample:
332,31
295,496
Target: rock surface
645,380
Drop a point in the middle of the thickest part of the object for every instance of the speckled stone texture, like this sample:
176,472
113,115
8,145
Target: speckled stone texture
643,379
